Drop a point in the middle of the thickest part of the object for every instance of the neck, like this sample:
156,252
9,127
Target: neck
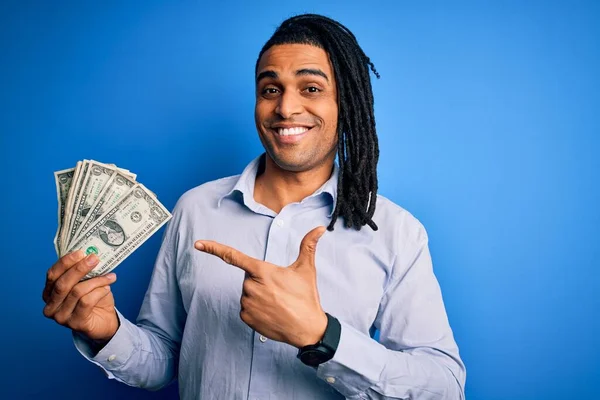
275,187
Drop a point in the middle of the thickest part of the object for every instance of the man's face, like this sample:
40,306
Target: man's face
296,106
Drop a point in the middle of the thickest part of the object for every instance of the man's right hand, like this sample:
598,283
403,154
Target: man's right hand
87,307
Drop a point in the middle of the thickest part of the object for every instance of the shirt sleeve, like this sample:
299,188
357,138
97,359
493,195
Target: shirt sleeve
416,356
146,354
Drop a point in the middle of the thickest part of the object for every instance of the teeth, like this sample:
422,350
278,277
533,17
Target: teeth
292,131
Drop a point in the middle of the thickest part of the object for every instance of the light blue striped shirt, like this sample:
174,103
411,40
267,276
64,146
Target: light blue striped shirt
189,326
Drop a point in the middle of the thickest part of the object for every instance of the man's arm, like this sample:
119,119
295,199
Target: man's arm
146,354
416,356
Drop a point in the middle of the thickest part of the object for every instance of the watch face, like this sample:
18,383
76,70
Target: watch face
313,357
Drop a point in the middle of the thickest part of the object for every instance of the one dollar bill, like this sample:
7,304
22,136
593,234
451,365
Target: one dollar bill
63,181
122,229
93,183
115,188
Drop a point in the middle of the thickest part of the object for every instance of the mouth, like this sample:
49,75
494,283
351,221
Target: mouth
294,134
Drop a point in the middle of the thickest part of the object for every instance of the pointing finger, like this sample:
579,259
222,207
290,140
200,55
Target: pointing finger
231,256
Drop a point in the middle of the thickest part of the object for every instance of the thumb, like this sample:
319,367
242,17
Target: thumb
308,248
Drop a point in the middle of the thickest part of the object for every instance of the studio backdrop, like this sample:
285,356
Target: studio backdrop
488,121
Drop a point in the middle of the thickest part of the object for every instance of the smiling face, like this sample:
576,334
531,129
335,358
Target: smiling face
296,106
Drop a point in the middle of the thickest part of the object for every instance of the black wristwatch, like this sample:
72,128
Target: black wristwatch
324,349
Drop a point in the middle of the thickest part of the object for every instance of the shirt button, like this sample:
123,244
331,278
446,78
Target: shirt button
280,223
262,338
111,358
330,379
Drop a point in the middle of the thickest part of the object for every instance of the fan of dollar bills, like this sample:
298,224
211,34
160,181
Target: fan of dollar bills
103,210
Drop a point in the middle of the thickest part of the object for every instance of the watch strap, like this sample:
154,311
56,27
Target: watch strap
331,337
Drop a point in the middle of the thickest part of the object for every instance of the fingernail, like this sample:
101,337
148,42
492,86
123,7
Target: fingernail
199,246
112,276
91,260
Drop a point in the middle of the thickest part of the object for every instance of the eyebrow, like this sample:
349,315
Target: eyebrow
300,72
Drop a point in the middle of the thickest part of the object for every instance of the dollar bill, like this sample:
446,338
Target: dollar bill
85,167
115,188
63,181
127,173
68,207
124,171
92,184
122,229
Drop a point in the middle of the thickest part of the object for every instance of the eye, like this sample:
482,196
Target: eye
312,89
269,91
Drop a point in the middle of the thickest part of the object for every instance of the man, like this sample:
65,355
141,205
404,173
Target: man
293,316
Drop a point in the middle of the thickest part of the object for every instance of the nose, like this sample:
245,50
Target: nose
290,103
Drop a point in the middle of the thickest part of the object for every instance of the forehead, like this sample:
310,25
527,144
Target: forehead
291,57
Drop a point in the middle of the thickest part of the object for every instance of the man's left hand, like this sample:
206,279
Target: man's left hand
280,303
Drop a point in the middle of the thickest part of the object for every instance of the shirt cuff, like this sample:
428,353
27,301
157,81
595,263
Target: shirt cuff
115,354
356,365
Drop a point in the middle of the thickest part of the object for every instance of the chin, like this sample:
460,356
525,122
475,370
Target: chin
291,164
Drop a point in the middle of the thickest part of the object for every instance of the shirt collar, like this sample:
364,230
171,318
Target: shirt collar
245,187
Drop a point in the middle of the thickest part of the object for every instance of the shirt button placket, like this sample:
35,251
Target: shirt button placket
262,355
261,367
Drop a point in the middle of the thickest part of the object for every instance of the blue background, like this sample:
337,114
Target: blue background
488,118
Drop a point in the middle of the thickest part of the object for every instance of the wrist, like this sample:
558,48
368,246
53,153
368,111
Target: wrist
98,341
316,332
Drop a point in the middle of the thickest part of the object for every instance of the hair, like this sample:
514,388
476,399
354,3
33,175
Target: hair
358,149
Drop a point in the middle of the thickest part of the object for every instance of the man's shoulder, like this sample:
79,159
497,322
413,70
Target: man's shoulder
208,193
396,220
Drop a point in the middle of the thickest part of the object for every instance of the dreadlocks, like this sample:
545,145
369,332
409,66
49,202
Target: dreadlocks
358,150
